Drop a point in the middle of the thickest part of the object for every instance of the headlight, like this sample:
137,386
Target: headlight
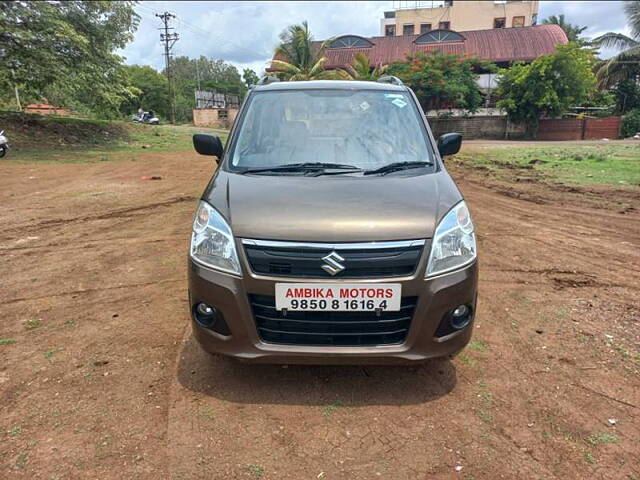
212,241
454,243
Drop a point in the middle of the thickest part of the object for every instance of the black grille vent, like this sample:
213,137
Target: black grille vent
305,262
341,329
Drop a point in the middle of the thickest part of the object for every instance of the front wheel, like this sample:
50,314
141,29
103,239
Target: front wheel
3,151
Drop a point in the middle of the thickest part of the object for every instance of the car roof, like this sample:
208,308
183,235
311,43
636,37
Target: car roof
329,84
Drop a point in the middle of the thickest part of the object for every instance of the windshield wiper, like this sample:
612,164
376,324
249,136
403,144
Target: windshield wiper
302,167
395,166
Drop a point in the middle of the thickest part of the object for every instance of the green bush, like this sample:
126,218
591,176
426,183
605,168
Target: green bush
631,123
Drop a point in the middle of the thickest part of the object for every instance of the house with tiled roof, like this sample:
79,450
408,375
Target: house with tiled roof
501,46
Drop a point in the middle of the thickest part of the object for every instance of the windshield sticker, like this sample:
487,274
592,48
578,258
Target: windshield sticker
393,95
364,106
398,102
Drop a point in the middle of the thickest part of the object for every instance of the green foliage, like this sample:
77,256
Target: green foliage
627,95
299,60
625,65
631,123
152,88
214,75
443,81
572,31
549,86
64,51
250,77
363,70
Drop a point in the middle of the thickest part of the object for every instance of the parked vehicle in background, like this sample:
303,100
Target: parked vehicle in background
146,117
4,145
332,232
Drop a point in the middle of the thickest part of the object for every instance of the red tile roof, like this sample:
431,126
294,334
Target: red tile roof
495,45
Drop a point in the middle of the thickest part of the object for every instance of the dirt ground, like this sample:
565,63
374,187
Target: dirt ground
100,377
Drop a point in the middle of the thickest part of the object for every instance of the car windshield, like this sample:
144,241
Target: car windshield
367,129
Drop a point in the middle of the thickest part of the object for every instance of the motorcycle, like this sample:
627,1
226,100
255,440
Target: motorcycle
148,118
4,145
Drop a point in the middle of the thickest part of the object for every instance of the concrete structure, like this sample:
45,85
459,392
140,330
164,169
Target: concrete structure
214,117
414,18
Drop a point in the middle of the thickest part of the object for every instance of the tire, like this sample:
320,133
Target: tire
3,151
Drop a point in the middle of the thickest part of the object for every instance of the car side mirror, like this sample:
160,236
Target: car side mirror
449,144
208,145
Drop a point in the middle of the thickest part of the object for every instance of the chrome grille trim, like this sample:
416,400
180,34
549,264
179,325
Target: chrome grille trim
333,246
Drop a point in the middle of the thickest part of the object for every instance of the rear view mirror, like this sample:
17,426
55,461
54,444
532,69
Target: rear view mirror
449,144
208,145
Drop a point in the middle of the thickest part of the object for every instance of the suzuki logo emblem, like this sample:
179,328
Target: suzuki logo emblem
331,263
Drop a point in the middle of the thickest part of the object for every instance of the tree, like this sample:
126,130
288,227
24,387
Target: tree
627,94
250,77
549,86
572,31
363,70
213,75
299,59
443,80
625,65
153,91
68,49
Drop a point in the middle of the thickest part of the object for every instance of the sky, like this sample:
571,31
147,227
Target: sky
245,33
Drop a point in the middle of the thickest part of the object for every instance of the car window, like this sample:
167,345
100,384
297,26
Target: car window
364,128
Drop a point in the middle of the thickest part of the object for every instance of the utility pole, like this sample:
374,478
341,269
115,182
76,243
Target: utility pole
169,39
15,89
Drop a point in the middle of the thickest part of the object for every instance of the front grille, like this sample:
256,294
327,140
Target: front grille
368,260
338,329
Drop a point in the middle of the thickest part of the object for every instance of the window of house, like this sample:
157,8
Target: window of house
448,3
439,36
407,29
425,27
389,30
350,41
518,22
499,22
444,26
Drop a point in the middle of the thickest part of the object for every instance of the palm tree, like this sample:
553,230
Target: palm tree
572,31
299,59
361,68
625,66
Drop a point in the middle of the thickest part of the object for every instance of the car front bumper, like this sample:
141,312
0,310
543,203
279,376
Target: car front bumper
229,295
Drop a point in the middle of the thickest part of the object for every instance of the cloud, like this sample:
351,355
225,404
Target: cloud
245,33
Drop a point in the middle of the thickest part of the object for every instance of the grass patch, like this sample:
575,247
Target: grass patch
15,431
467,360
331,409
580,164
206,413
589,458
51,353
478,346
256,471
602,439
32,324
7,341
51,139
486,401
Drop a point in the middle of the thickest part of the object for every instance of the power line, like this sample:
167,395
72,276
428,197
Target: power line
169,40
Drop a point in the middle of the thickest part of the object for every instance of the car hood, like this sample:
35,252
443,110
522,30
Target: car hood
338,208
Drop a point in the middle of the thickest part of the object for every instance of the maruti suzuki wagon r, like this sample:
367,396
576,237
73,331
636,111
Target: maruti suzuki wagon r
331,231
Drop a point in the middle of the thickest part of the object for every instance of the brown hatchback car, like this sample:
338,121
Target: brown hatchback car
331,231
